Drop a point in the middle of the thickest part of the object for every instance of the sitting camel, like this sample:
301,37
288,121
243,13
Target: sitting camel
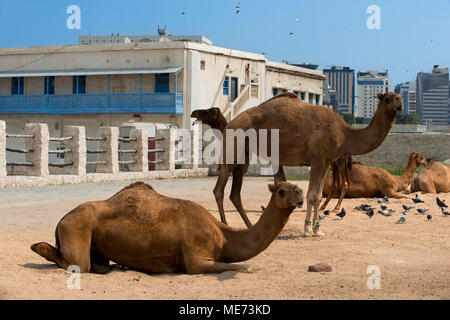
309,135
368,182
434,178
341,181
146,231
215,119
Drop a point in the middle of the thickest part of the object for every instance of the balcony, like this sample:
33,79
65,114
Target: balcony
155,103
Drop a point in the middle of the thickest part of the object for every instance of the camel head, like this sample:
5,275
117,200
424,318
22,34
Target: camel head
286,196
207,116
391,102
418,158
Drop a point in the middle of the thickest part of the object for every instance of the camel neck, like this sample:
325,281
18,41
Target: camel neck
405,179
244,244
361,141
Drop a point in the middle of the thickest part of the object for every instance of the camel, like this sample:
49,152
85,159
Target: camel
434,178
146,231
215,119
341,181
368,182
309,135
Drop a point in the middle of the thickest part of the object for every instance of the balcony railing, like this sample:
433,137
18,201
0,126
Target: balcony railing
93,103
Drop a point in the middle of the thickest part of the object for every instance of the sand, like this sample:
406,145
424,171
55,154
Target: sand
413,258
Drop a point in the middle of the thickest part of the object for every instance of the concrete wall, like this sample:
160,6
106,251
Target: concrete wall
5,86
34,85
396,147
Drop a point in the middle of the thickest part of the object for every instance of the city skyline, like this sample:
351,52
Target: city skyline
411,39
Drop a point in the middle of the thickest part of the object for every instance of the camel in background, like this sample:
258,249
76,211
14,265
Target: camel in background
368,182
146,231
215,119
309,135
434,178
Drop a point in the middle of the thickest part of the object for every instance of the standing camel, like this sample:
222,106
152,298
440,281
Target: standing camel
309,135
215,119
146,231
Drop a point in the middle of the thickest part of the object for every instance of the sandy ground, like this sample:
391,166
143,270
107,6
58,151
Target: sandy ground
414,258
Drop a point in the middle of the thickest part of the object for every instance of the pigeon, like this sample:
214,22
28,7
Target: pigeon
386,212
321,217
407,208
402,218
237,11
383,207
422,211
369,213
429,217
385,199
291,33
441,203
341,214
445,212
368,209
362,207
183,13
263,208
326,212
417,199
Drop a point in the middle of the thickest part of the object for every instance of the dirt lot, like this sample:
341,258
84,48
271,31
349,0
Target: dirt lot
414,258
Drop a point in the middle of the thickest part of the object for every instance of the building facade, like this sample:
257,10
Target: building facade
369,84
432,95
408,92
342,80
162,82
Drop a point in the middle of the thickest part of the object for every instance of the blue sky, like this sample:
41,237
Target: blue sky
414,34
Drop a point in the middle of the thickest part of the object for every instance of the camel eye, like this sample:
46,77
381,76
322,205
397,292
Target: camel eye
281,193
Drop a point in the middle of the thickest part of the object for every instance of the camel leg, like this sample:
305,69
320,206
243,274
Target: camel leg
210,266
427,186
235,195
75,244
329,195
279,177
99,263
50,253
344,189
222,180
314,196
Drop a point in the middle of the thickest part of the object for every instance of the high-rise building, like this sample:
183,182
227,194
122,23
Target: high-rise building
369,84
342,80
408,92
432,95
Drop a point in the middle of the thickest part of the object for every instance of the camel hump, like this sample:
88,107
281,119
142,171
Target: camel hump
284,95
131,191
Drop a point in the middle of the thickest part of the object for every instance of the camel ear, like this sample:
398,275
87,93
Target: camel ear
380,96
272,188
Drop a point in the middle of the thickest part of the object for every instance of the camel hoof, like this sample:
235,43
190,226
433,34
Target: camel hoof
308,233
318,233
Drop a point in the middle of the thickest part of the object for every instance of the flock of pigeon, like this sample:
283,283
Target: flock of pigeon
385,211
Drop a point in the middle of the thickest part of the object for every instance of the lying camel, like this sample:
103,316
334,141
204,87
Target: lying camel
340,182
146,231
215,119
368,182
434,178
309,135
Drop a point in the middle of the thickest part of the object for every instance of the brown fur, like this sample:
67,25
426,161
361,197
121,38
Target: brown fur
435,178
309,135
212,117
144,230
368,182
341,181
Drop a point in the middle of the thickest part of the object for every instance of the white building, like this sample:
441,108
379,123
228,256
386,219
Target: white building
369,84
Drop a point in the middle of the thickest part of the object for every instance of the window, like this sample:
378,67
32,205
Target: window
162,82
317,99
202,64
17,86
79,84
49,85
226,86
302,96
274,91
